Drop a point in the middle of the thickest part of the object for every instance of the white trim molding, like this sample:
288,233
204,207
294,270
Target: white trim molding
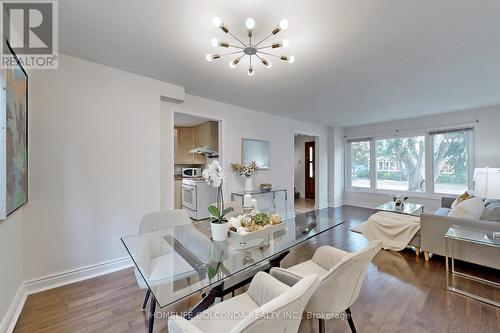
16,306
76,275
57,280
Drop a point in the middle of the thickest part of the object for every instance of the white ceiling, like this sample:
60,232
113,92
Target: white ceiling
357,62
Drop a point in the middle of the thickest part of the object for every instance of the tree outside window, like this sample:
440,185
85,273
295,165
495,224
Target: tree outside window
451,162
403,164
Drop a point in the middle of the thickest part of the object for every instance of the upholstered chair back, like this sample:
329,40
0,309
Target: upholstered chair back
277,314
153,227
340,286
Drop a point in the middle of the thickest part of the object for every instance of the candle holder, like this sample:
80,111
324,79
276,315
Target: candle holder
247,215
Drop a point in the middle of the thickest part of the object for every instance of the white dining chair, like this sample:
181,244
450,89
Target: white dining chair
268,306
341,274
155,256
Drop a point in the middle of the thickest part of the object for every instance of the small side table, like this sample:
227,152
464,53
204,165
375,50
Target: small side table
259,192
457,235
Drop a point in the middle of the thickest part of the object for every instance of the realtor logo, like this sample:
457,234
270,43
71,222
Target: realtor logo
31,30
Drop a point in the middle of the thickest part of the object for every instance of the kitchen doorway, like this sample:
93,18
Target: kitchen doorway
304,172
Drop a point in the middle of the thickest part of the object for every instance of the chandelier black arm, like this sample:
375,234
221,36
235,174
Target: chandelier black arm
239,40
263,39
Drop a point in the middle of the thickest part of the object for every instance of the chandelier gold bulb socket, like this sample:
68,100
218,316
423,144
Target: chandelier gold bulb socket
224,28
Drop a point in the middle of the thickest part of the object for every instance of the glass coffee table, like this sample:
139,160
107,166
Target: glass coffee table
457,235
408,208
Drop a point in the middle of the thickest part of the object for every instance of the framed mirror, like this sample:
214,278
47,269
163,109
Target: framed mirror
255,150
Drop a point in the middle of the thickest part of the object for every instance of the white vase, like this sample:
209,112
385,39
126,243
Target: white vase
219,231
248,184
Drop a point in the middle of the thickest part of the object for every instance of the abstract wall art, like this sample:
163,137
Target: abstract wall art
13,137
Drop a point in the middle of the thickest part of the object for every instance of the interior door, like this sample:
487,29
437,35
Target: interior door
310,170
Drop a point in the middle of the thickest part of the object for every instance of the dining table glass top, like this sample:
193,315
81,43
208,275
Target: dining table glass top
177,262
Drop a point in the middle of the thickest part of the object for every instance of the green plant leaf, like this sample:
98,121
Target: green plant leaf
212,271
227,210
214,211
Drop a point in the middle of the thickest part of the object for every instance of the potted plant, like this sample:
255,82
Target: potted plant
214,176
245,170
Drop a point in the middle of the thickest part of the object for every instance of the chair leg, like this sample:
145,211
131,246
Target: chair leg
321,323
417,251
426,255
350,321
152,315
146,300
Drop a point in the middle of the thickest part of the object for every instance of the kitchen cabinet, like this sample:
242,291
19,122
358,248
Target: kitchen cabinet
187,138
177,194
185,142
207,135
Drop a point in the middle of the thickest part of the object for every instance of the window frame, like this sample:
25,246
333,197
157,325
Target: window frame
348,171
399,136
429,162
471,156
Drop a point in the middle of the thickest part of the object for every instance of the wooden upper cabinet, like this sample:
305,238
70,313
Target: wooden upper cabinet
207,134
187,138
185,142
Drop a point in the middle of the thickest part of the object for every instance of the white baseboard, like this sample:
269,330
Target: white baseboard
75,275
9,320
57,280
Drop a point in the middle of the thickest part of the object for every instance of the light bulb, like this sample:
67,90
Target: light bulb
209,57
269,64
283,24
216,21
285,42
250,23
215,42
291,59
232,64
250,71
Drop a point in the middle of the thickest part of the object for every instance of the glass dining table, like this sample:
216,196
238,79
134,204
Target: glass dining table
175,263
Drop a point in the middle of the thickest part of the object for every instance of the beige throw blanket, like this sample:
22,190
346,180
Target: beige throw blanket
395,231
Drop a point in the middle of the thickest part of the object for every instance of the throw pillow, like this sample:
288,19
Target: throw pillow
461,198
492,210
469,209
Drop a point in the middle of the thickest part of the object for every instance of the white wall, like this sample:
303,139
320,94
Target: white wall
94,163
11,264
486,144
336,169
299,163
238,123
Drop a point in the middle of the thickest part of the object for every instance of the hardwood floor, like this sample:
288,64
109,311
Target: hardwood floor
302,205
402,293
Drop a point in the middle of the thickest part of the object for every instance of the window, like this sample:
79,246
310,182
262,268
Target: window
360,163
435,162
401,164
451,161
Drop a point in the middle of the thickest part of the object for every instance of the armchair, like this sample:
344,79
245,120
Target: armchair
268,306
341,277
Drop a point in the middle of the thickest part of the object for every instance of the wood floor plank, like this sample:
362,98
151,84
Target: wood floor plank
402,293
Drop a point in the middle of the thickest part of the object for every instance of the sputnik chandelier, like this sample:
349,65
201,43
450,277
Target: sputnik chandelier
250,49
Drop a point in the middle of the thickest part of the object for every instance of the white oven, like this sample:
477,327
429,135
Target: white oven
197,195
189,196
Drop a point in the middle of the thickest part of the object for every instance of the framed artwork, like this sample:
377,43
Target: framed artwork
255,150
13,137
